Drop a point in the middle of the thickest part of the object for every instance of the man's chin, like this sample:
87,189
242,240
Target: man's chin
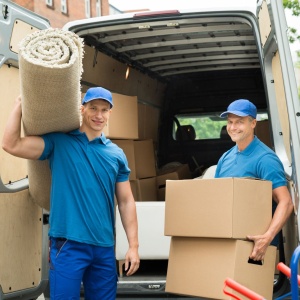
234,139
98,128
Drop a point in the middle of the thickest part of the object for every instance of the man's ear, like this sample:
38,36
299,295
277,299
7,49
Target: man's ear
254,122
81,108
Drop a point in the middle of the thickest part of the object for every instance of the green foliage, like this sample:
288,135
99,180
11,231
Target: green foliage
205,127
294,6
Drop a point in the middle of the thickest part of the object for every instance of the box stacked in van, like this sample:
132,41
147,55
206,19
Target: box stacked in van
175,173
141,161
209,220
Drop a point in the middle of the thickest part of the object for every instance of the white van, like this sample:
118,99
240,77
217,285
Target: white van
186,67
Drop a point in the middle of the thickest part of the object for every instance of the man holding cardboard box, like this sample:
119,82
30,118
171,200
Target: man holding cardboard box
87,170
252,158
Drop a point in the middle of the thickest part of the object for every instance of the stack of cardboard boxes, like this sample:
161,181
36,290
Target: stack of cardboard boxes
133,127
123,129
209,220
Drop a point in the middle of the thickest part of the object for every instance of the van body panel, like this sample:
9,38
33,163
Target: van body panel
283,107
283,94
9,77
23,255
13,29
21,249
185,67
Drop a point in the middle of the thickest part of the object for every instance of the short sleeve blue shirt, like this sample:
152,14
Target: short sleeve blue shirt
256,161
83,178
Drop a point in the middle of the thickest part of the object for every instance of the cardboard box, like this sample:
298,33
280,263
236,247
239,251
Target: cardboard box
199,267
144,159
262,131
218,208
144,189
161,194
176,173
128,148
140,156
148,120
123,121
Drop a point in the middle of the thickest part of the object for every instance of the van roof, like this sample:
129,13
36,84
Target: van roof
177,43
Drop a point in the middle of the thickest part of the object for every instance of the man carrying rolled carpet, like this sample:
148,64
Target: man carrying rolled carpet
87,170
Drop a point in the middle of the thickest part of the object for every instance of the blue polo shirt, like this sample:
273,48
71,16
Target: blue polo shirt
256,161
83,178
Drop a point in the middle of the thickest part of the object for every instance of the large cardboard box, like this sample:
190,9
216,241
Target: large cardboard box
218,208
123,121
140,156
144,189
199,267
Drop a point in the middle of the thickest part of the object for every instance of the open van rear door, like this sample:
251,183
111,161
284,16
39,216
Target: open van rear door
283,101
23,237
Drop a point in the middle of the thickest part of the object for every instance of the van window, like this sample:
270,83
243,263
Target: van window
202,127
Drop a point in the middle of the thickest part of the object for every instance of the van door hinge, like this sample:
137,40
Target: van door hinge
45,219
5,11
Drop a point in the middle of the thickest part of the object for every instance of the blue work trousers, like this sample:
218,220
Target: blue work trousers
73,263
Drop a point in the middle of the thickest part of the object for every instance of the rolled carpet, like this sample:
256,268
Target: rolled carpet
50,68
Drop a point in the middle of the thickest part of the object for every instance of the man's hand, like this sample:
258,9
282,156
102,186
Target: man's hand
18,99
261,243
132,261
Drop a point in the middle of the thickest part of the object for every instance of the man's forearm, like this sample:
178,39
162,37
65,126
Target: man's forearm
283,210
129,220
281,215
12,131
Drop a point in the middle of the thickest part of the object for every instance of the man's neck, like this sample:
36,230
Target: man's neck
244,144
91,134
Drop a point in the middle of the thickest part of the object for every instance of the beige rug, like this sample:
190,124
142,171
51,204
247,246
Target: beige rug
50,67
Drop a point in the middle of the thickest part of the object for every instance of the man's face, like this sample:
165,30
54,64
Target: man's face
95,114
240,129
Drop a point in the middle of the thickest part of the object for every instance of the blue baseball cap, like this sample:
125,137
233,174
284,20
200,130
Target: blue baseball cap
97,93
242,108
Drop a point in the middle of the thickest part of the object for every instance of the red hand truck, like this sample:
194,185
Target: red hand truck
292,273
